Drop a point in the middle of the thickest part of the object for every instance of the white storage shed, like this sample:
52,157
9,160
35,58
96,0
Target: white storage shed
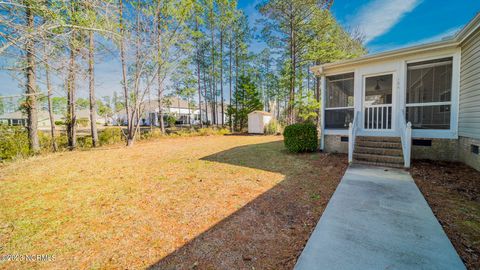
257,120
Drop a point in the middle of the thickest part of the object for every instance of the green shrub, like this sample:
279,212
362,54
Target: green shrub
171,120
212,131
205,131
301,137
84,141
110,135
59,123
223,131
273,127
45,139
13,142
149,134
83,122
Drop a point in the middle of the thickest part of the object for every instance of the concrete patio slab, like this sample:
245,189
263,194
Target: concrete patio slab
378,219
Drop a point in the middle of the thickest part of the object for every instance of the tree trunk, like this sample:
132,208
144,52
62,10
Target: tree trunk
206,98
213,86
124,74
136,113
198,76
189,113
230,79
236,87
292,75
31,90
221,77
71,114
93,102
160,105
49,99
278,108
159,78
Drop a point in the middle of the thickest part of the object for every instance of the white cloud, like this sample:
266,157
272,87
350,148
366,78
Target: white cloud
379,16
445,34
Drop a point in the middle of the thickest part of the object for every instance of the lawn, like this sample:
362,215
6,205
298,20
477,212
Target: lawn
225,202
453,192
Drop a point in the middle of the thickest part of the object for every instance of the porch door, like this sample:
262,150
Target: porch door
378,102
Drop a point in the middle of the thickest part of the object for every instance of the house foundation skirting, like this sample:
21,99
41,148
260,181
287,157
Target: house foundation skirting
461,149
466,154
435,149
334,144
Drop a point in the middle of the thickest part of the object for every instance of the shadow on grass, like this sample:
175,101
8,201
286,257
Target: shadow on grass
270,231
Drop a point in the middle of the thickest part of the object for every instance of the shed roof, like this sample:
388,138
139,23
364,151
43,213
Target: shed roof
260,112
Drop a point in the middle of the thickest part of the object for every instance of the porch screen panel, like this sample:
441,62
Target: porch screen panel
339,101
429,91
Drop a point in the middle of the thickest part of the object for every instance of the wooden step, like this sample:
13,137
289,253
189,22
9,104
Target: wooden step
378,139
378,158
379,151
393,165
375,144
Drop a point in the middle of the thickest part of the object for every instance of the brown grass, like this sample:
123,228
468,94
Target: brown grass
453,192
201,202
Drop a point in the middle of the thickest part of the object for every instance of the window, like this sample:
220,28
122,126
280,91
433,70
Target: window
429,94
339,101
378,90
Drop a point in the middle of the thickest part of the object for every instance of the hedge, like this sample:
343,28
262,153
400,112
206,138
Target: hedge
301,137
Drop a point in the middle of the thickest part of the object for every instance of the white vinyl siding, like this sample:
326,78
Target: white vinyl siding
469,114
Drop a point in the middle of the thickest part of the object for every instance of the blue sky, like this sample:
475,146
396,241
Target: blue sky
387,24
390,24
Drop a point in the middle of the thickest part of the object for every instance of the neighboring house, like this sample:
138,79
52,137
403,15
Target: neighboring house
417,102
184,113
13,119
18,118
83,116
208,114
174,106
171,106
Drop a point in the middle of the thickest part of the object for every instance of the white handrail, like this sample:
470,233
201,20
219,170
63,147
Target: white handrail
352,133
378,116
406,136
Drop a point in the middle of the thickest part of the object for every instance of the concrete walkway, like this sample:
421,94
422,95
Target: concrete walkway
378,219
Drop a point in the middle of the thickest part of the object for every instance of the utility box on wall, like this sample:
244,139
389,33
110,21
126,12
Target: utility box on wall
257,120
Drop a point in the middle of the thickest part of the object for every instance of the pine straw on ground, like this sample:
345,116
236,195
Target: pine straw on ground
223,202
453,192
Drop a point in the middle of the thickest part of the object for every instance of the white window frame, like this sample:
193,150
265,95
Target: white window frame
451,133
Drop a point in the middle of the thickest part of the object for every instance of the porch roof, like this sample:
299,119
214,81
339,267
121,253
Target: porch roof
450,42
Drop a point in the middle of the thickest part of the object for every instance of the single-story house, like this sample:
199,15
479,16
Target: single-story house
184,113
19,118
16,118
208,114
420,102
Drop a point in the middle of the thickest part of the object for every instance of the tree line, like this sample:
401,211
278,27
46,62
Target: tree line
199,50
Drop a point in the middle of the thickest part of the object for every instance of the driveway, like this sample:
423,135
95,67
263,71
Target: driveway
378,219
